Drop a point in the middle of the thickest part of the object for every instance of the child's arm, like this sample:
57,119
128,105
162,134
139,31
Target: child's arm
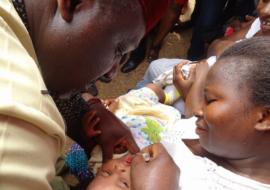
158,91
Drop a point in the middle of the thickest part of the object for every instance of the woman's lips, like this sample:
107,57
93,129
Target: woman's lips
200,128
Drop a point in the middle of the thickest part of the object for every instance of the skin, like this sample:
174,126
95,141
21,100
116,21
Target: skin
113,175
165,25
152,174
230,128
194,97
75,44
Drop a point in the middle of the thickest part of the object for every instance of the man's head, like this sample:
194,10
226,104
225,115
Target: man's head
77,41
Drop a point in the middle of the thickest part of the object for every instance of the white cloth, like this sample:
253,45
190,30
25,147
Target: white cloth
202,173
182,129
254,28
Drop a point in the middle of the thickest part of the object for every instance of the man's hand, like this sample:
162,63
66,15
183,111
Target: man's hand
90,124
113,134
159,173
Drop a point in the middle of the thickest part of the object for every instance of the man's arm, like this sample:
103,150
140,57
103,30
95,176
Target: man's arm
27,155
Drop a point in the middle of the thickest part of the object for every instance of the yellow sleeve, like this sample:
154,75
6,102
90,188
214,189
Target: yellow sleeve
27,156
32,134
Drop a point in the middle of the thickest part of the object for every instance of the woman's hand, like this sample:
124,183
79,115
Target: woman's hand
180,82
159,173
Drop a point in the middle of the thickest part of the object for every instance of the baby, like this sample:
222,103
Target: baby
113,175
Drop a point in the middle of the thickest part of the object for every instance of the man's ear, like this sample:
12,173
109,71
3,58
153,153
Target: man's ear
67,8
263,124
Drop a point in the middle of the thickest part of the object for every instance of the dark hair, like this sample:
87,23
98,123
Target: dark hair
250,63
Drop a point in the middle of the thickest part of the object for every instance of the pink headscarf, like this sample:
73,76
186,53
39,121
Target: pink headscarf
153,11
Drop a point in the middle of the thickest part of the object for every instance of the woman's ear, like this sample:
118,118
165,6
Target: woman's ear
67,8
263,124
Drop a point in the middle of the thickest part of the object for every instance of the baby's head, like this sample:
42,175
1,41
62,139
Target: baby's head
234,119
113,175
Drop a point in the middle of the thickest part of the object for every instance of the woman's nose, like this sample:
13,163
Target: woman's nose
198,113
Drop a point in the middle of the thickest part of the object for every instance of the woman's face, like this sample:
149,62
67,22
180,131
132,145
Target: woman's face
263,10
113,175
226,121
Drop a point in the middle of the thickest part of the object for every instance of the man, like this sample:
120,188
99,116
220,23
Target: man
55,46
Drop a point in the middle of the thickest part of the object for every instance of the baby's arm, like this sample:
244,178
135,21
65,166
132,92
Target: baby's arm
158,91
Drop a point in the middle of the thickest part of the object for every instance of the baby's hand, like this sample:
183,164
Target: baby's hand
180,82
90,124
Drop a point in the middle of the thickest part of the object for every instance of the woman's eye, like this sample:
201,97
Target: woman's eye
105,173
125,184
209,100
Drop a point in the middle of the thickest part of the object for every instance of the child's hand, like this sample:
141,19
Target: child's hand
183,85
90,124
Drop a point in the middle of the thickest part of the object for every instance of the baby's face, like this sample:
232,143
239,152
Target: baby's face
113,175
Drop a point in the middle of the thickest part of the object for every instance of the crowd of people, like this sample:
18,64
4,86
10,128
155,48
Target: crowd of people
199,122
